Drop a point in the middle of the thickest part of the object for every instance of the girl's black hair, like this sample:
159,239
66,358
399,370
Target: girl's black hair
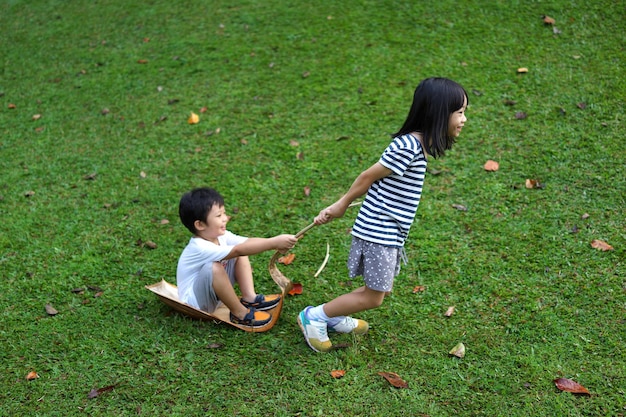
433,102
196,204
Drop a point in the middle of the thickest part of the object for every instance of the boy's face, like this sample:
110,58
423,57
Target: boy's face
457,120
215,223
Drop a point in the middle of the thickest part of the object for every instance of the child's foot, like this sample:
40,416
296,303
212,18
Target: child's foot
254,318
315,332
350,325
262,302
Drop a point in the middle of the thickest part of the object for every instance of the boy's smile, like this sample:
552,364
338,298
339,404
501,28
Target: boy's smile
214,225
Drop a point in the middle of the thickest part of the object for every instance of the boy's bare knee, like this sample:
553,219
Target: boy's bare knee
219,273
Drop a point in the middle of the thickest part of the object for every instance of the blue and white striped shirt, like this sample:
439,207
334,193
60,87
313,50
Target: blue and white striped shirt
391,202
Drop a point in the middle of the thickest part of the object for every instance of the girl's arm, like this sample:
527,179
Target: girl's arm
359,187
255,245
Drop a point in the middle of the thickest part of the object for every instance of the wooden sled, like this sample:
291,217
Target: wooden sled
168,293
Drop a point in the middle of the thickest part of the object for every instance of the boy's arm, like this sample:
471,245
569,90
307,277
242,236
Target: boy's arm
359,187
255,245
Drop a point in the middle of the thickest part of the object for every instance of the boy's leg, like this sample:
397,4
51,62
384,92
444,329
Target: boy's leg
243,276
225,292
214,285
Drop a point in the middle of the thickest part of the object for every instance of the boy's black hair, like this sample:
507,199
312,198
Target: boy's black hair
433,102
196,204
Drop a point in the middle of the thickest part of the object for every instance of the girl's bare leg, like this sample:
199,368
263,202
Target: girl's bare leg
361,299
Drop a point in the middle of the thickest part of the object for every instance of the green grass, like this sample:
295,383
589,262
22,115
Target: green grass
533,300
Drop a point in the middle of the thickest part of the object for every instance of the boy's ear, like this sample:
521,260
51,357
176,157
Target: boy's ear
199,225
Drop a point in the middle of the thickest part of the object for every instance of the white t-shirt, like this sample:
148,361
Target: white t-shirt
196,254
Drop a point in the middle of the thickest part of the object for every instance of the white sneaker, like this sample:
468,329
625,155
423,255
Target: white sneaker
315,332
350,325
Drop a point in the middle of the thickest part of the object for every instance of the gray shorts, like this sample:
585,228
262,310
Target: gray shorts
203,285
378,264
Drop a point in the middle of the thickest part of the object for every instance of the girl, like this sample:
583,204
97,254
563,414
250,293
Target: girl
393,186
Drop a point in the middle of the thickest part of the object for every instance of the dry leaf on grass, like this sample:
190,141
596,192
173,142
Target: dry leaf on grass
337,373
193,119
95,392
491,165
601,245
531,184
296,289
548,20
394,379
32,375
449,312
458,350
568,385
51,310
419,288
287,259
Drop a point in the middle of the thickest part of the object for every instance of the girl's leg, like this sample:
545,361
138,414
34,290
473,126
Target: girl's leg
361,299
225,291
243,276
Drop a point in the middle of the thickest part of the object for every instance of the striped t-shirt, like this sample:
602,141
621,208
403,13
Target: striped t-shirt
391,202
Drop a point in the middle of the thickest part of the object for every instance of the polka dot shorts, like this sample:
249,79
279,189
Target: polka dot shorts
378,264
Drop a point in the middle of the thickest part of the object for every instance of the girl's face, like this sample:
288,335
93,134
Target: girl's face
457,120
215,223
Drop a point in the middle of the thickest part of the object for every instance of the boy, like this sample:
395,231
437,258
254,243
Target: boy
214,259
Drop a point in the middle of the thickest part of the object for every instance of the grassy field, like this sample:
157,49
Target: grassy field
96,150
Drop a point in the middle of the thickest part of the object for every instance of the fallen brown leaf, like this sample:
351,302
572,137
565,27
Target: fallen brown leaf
51,310
568,385
32,375
601,245
418,288
287,259
522,70
548,20
491,165
530,184
449,312
394,379
337,373
458,350
193,119
95,392
296,289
